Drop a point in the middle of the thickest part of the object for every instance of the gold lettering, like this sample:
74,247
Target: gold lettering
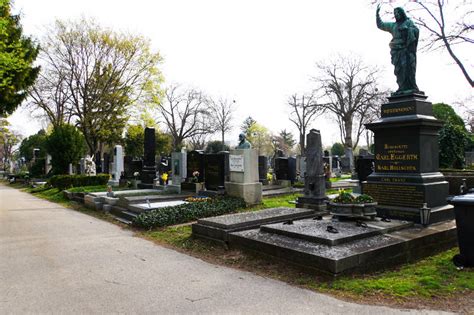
398,110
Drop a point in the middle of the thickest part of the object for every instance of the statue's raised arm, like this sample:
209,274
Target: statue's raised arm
402,49
384,26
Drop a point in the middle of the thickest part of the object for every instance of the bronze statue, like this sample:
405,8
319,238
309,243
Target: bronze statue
243,143
402,49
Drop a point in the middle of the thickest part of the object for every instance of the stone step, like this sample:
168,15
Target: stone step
125,221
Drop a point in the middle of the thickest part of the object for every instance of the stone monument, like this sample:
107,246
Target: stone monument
178,166
89,166
243,167
314,181
148,173
117,166
406,174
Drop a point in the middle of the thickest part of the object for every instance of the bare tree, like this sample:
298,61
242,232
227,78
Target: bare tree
222,111
304,110
442,33
186,114
351,93
51,95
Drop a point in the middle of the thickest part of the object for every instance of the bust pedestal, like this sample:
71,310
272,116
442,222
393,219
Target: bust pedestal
244,183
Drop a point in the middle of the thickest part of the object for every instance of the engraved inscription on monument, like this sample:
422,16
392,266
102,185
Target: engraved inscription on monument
396,195
397,158
236,163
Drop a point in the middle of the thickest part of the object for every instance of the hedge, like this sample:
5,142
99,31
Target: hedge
187,212
68,181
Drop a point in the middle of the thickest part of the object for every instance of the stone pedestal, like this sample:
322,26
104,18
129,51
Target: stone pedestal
314,181
406,161
243,166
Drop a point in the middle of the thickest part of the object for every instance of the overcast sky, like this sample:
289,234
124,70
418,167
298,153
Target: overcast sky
257,52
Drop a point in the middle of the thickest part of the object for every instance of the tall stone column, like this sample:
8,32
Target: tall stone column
314,181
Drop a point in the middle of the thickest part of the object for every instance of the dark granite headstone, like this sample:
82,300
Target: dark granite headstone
281,168
214,168
195,162
148,173
98,163
345,164
292,169
262,169
131,166
364,167
127,164
336,162
226,164
314,181
406,161
106,168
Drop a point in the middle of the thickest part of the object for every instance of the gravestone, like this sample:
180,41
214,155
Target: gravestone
302,168
214,168
106,163
178,167
98,163
281,168
226,164
292,169
314,184
117,166
148,172
406,172
127,165
195,162
82,166
364,167
345,162
262,169
243,183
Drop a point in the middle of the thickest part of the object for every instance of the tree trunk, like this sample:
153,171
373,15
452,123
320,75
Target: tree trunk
223,145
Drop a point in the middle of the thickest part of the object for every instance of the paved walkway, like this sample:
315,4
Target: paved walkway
56,260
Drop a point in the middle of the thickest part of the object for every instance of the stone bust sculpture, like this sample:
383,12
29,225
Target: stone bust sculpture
402,49
243,143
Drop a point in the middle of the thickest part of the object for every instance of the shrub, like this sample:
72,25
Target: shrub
187,212
364,199
344,197
66,145
67,181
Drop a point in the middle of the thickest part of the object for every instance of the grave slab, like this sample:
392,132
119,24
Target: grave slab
316,231
217,228
372,253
